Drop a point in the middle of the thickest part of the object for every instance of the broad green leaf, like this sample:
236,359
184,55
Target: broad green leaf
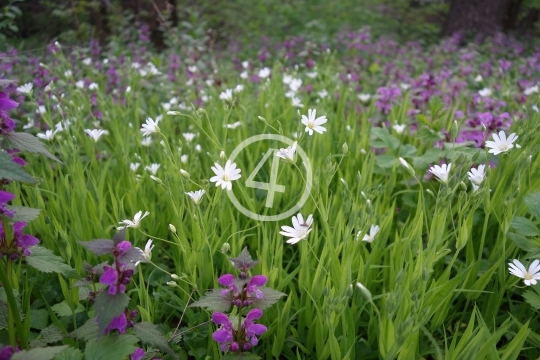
11,171
522,242
241,356
389,140
45,353
50,334
533,203
270,297
386,161
213,301
99,246
3,315
39,319
150,335
24,213
524,226
27,142
63,309
107,307
112,346
532,298
44,260
430,157
69,354
86,332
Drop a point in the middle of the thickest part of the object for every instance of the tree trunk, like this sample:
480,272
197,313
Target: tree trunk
476,17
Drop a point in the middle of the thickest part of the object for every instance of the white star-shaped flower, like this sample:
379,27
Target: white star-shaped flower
477,175
227,95
147,252
95,134
484,92
364,97
153,168
135,223
48,135
399,128
529,276
288,153
189,136
134,166
501,144
441,172
26,88
264,73
313,123
225,176
196,196
150,127
300,230
373,230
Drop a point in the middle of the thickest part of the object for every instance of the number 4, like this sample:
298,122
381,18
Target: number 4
271,187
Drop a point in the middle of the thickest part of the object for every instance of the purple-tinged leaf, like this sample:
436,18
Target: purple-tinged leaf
119,236
86,332
44,260
23,213
270,297
11,171
99,246
133,255
107,307
149,334
244,261
42,353
213,301
27,142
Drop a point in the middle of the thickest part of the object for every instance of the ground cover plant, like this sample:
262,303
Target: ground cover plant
417,236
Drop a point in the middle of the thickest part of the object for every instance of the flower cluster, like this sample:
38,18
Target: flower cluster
20,244
241,337
118,277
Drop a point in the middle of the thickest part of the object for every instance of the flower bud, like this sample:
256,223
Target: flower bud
406,166
225,248
364,291
455,129
156,179
172,284
184,173
345,148
175,277
173,113
172,228
222,155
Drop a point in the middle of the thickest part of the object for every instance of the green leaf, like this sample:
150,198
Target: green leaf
39,319
522,242
533,203
107,307
524,226
3,315
28,142
86,332
532,298
63,309
50,334
241,356
270,297
24,213
69,354
213,301
244,261
99,246
150,335
44,260
431,156
385,161
11,171
46,353
113,346
383,134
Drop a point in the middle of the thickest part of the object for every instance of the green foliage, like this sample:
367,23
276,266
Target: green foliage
113,346
44,260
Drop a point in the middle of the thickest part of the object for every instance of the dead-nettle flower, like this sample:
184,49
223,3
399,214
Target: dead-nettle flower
135,223
196,196
373,230
288,154
95,134
239,333
313,123
225,176
529,276
150,127
500,143
300,229
441,172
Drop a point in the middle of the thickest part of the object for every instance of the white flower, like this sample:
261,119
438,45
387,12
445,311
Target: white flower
296,102
189,136
364,97
477,175
501,144
287,79
87,61
244,75
26,88
399,128
405,86
441,172
93,86
95,134
234,125
531,90
478,78
300,230
128,89
153,168
80,84
196,196
192,69
264,73
225,176
68,73
311,75
484,92
166,106
227,95
295,84
150,127
134,166
314,123
147,252
288,153
48,135
245,64
198,148
322,94
184,159
135,223
41,109
146,141
239,88
534,107
373,230
49,86
529,276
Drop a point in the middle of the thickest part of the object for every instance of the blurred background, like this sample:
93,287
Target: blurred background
28,24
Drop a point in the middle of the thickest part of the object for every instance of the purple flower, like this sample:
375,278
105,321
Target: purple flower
257,280
137,354
4,198
6,104
110,277
118,323
122,247
224,335
6,352
253,330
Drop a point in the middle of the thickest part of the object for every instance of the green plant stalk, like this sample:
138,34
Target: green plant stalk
15,326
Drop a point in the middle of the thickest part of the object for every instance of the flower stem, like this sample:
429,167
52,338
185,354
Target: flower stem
15,326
